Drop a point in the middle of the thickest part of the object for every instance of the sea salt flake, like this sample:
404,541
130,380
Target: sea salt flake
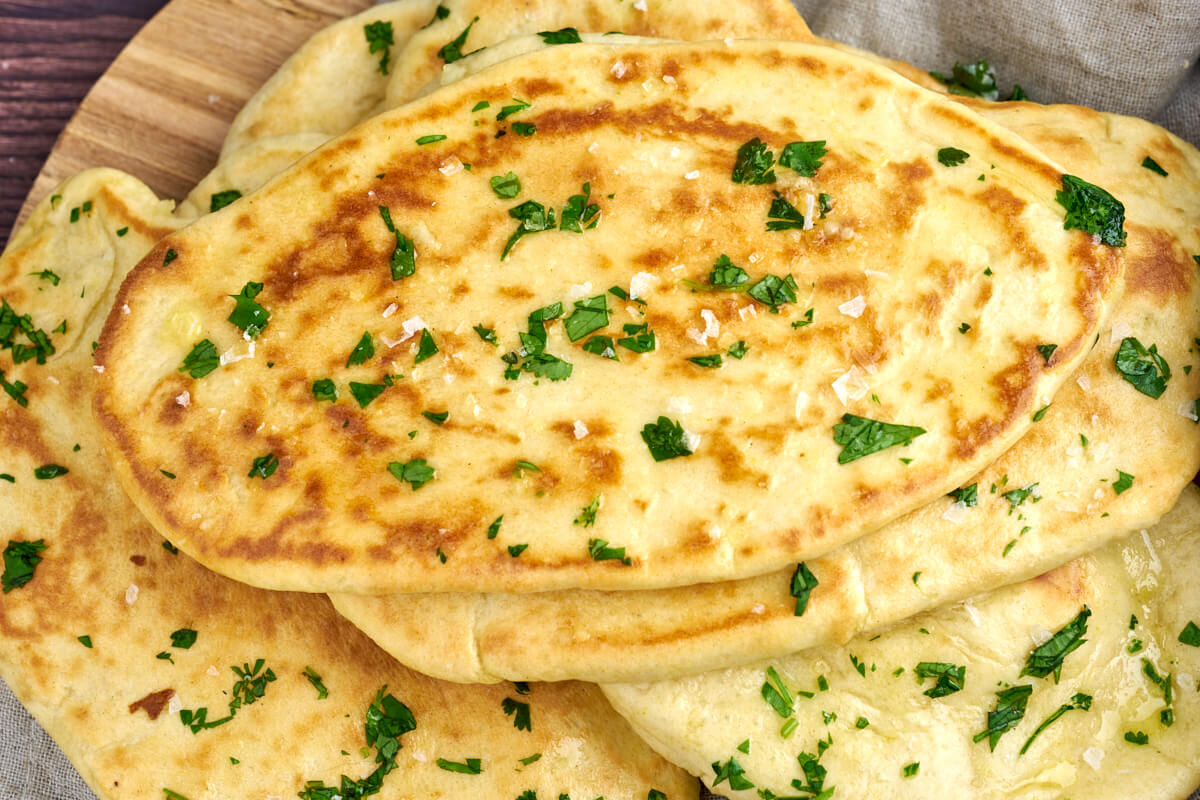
1040,635
618,69
578,291
757,608
213,671
810,202
957,513
801,404
641,283
174,704
131,594
747,311
851,385
1093,756
184,399
679,405
391,309
640,5
691,176
691,440
411,327
581,430
854,308
1084,382
451,166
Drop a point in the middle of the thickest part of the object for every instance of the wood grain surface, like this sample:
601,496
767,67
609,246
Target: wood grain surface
161,109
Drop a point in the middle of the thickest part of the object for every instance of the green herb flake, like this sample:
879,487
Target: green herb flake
533,218
263,466
1047,350
380,38
773,291
1138,738
1123,482
317,682
48,275
427,348
202,360
802,584
782,215
416,473
709,362
362,351
1010,709
494,529
599,550
365,393
665,439
515,550
1152,165
524,128
1190,635
20,560
470,766
1016,497
437,418
486,334
430,139
1041,412
86,641
952,156
732,772
578,213
171,794
804,321
776,693
911,770
1144,369
861,437
247,313
738,350
948,678
122,231
404,255
1092,210
221,199
48,472
639,338
587,514
753,164
519,712
803,157
1048,658
589,316
324,389
971,80
169,257
183,638
967,495
506,186
452,50
602,346
561,36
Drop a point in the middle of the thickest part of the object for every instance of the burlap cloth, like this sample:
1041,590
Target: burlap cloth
1135,58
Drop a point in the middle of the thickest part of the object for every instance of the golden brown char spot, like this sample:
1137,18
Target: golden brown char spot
422,538
603,465
461,289
731,464
655,258
625,69
243,222
113,201
516,292
906,197
538,87
153,703
1156,265
939,389
1014,388
138,560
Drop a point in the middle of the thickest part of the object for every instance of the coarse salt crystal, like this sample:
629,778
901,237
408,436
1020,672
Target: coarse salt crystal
184,399
640,5
131,594
691,440
389,342
593,147
419,756
229,358
851,385
1093,756
641,283
691,176
1084,382
52,379
125,309
1155,564
98,368
747,311
411,327
1188,410
174,704
669,80
391,309
712,328
874,273
679,405
451,166
1186,681
801,403
1040,635
757,608
808,212
618,69
212,670
854,308
956,513
581,430
578,290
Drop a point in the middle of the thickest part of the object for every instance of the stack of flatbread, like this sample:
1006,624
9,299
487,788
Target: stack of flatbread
838,425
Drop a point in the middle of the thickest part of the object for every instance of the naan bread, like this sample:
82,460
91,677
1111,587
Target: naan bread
700,722
333,82
106,575
331,517
957,551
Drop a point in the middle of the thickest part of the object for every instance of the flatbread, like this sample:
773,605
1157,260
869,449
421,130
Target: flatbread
700,722
333,82
955,551
332,518
106,575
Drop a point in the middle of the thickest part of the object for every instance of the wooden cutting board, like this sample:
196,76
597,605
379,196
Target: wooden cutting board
161,110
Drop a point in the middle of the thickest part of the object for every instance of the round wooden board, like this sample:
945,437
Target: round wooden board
161,109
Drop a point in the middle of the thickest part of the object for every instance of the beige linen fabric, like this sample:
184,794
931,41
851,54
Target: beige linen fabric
1133,58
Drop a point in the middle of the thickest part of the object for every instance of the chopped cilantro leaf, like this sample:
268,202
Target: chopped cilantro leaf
317,683
324,389
732,772
776,693
665,439
494,529
739,349
183,638
470,766
519,712
480,106
49,471
861,437
264,466
1146,370
452,50
380,38
15,390
221,199
589,316
169,257
710,361
910,770
416,473
561,36
122,231
952,156
1092,210
1152,165
971,80
599,550
524,128
967,495
48,275
365,393
639,338
508,111
803,157
949,678
601,346
544,365
515,550
430,139
247,313
773,291
753,164
362,351
804,321
487,334
1010,709
427,348
1016,497
20,560
439,13
534,218
1048,657
587,514
438,418
802,584
86,641
1079,700
1041,412
725,274
1123,482
1138,738
578,211
1190,635
507,186
1046,351
404,254
783,215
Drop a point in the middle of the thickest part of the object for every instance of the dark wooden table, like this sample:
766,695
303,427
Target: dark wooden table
51,52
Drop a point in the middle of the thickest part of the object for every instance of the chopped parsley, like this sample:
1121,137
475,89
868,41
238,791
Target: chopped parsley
1123,482
183,638
782,215
1041,412
725,274
638,338
1010,709
776,693
404,254
39,347
804,321
967,495
1092,210
1190,635
437,418
317,682
971,80
494,529
15,390
430,139
910,770
86,641
202,360
602,346
362,351
710,362
249,688
1047,350
452,50
534,218
169,257
487,334
48,275
1016,497
439,13
508,111
803,157
753,164
524,128
599,550
365,393
861,437
324,389
587,514
1152,165
20,560
1048,657
49,472
1138,738
948,678
416,473
380,38
732,772
665,439
578,210
802,584
952,156
561,36
1145,369
427,348
470,766
515,550
519,712
507,186
221,199
589,316
264,466
773,291
738,350
247,313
